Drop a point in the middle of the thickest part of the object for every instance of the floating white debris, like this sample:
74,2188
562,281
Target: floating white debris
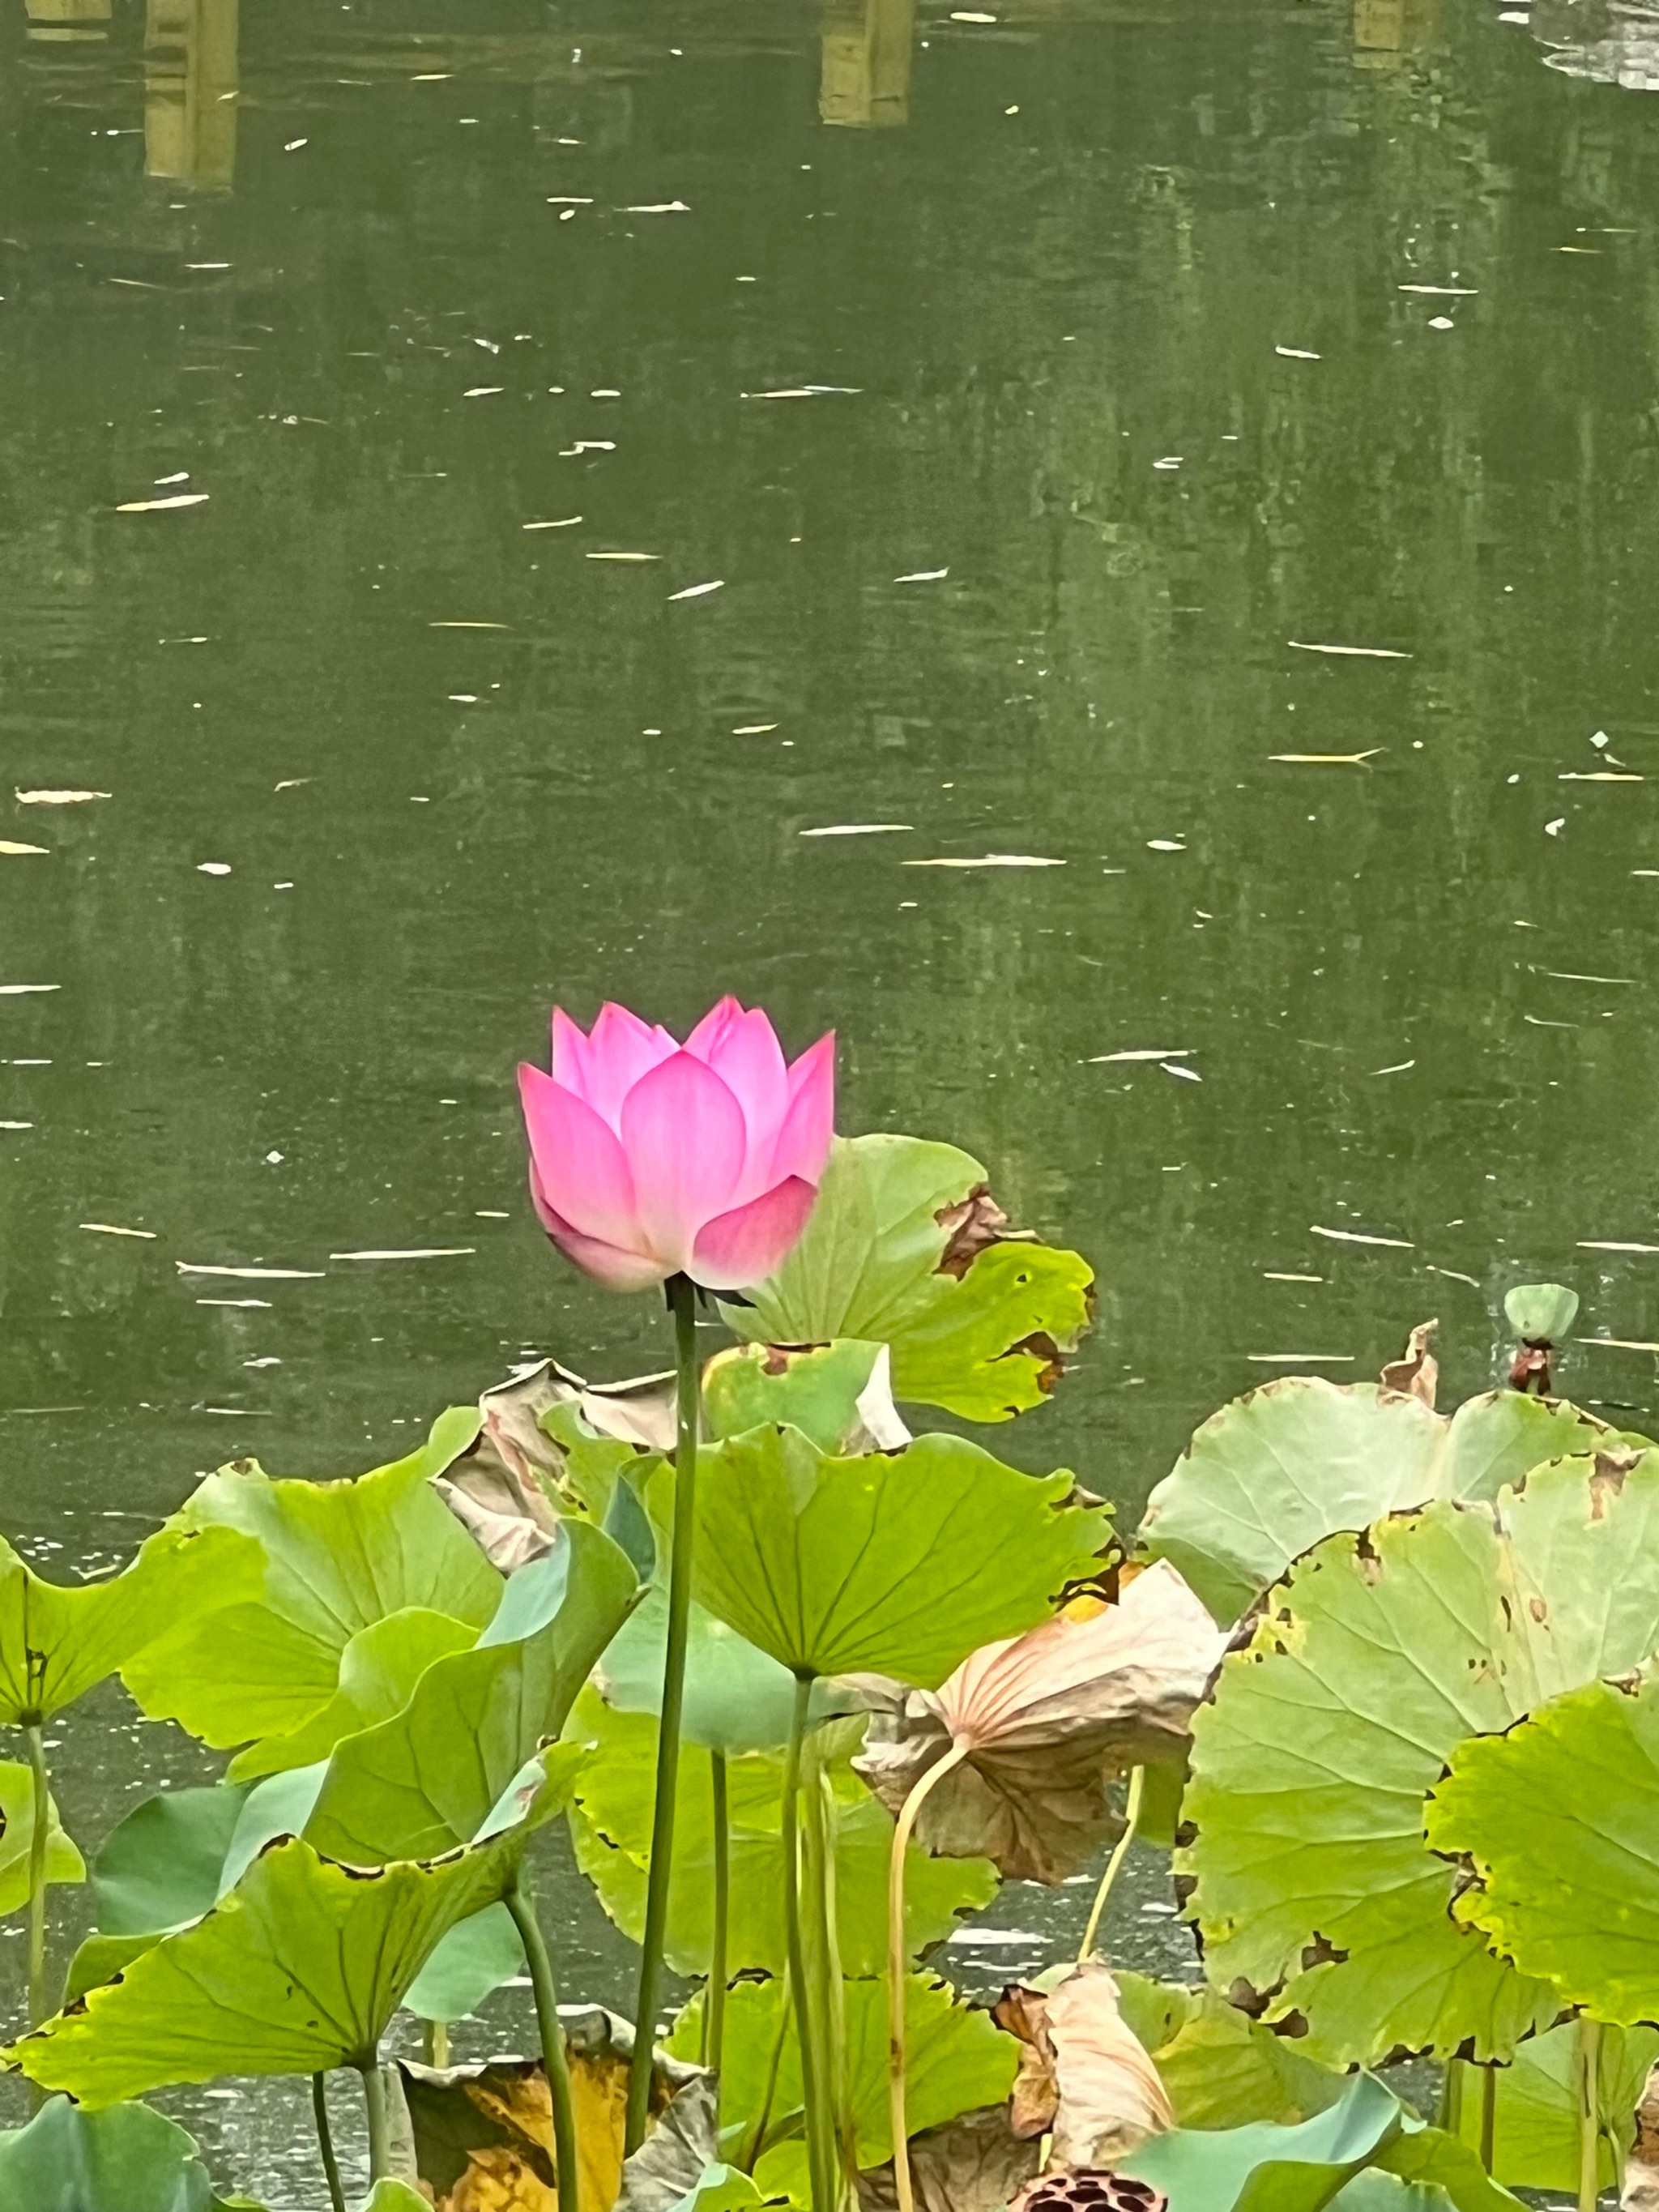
163,505
415,1252
1566,975
12,850
589,445
564,522
1453,1275
58,797
292,147
16,1125
1395,1067
656,207
468,625
698,590
1329,760
1164,845
264,1305
1173,1067
254,1274
1606,1244
974,15
484,392
23,990
1449,291
1554,829
213,867
183,477
269,1360
1170,461
856,829
622,557
1539,1022
491,1213
1350,652
999,1938
806,390
923,576
1276,1275
566,199
1297,353
1139,1052
754,729
1358,1237
989,861
1302,1358
109,1229
293,782
1442,323
1617,1343
1599,776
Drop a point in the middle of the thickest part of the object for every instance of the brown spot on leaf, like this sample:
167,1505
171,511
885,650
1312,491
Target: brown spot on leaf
1538,1609
1322,1951
1607,1479
972,1226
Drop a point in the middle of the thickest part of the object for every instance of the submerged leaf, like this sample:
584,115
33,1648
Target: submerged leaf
1375,1659
335,1557
906,1248
1051,1716
881,1564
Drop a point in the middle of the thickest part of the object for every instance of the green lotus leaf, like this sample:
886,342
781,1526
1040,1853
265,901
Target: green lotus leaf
900,1563
299,1970
1536,2138
421,1781
473,1960
1375,1658
127,2158
837,1393
738,1698
379,1669
1268,1476
337,1558
956,2060
162,1866
395,2197
63,1863
611,1827
1559,1819
1222,2069
902,1248
720,2189
57,1642
1263,2168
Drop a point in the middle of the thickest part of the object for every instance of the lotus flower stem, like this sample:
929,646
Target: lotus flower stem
897,1961
555,2061
41,2005
756,2141
380,2128
1451,2097
820,2117
828,1986
1589,2113
326,2143
683,1302
434,2043
1488,2116
714,2013
1119,1852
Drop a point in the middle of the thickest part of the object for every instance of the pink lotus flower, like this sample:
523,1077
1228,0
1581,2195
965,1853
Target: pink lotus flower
650,1158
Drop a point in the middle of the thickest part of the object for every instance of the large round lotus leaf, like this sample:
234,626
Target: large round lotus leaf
983,1338
127,2159
425,1780
58,1642
300,1969
828,1389
1559,1819
337,1557
1375,1659
611,1825
1270,1474
162,1866
1220,2068
473,1960
899,1563
1263,2168
738,1698
64,1862
1536,2137
379,1669
956,2059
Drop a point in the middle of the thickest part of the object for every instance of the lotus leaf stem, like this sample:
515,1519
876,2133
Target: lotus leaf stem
829,1989
555,2059
820,2116
1589,2113
326,2143
1451,2097
1488,2117
379,2126
41,2005
897,1961
683,1303
1119,1852
714,2014
434,2043
757,2139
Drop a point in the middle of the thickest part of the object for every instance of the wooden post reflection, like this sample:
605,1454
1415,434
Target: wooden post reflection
68,19
866,84
190,83
1386,30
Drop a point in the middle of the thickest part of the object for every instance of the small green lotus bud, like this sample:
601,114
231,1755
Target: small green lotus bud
1541,1313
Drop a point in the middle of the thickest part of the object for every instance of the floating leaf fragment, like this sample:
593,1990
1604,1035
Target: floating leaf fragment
1592,1244
109,1229
254,1274
1599,776
923,576
622,557
468,625
1138,1052
12,850
989,861
162,506
1329,760
564,522
854,829
1164,845
415,1252
58,797
1359,1237
23,990
657,207
698,590
1350,652
1297,353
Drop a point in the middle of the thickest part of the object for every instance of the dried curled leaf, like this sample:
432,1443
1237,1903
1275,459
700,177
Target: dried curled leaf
973,2164
1051,1716
1641,2190
1416,1373
1085,2078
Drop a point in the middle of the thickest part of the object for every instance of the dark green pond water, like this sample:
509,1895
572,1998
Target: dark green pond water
1049,390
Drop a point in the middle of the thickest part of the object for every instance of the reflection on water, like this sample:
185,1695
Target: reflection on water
1608,41
867,46
64,22
190,90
